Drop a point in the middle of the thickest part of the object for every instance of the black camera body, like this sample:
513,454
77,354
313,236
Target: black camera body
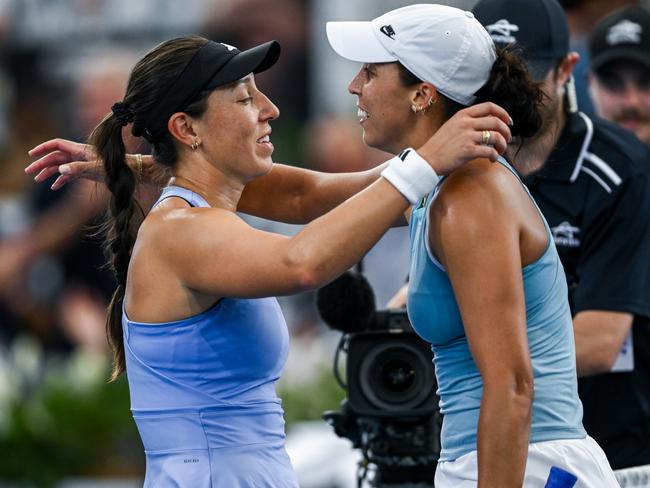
391,412
389,370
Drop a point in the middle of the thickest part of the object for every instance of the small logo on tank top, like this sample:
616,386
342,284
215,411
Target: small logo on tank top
565,235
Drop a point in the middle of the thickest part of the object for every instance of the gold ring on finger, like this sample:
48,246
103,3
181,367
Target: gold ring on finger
485,137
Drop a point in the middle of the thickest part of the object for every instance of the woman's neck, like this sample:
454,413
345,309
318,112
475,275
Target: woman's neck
218,189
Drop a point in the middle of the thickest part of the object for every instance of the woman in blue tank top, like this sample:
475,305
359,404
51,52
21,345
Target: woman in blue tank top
487,288
191,320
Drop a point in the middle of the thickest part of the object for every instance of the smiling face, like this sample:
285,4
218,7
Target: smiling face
621,93
235,129
383,106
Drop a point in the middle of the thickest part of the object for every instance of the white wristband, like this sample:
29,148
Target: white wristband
411,175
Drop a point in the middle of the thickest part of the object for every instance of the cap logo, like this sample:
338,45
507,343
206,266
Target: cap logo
388,31
228,46
624,31
501,31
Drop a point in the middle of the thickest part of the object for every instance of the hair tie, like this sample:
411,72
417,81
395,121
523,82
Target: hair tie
122,113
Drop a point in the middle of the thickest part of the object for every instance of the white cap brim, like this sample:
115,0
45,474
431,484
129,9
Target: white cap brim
357,41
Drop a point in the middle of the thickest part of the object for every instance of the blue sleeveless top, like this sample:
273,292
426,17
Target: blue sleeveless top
434,313
203,395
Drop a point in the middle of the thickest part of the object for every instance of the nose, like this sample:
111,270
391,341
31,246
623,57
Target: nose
269,111
354,88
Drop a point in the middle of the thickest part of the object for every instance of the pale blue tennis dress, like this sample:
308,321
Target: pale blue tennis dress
434,313
203,393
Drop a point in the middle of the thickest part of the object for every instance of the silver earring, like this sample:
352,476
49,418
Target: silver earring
194,145
415,109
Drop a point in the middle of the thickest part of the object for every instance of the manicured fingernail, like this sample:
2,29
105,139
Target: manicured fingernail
64,169
510,121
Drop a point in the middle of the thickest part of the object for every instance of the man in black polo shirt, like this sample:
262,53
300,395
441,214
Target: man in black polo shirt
591,180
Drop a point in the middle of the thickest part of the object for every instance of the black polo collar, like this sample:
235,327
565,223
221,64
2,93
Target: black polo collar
565,161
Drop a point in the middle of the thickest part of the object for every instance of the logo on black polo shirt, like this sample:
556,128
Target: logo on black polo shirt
565,235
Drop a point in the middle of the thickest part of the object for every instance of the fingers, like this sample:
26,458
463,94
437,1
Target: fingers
46,173
494,125
487,152
494,138
57,145
486,109
54,158
61,181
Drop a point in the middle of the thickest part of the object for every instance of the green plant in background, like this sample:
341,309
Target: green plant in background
66,420
308,400
60,418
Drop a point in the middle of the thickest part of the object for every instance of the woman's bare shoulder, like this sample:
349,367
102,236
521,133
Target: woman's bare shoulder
480,184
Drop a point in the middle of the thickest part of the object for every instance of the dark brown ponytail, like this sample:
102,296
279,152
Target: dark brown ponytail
149,81
511,86
120,227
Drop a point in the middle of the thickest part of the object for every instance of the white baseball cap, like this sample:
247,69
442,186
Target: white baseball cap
442,45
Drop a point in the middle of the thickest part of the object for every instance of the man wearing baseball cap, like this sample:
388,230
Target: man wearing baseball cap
591,180
619,82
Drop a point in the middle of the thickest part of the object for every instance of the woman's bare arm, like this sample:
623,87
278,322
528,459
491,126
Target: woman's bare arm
477,239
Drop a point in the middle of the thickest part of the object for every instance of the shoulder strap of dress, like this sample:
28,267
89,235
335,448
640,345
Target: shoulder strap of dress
192,198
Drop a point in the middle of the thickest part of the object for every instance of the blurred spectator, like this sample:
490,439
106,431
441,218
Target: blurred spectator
583,16
620,79
62,264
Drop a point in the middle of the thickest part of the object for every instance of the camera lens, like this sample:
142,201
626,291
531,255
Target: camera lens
396,376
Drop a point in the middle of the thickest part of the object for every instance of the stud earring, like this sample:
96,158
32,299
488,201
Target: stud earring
415,109
195,145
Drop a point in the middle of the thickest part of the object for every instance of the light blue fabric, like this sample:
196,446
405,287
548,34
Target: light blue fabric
434,313
203,394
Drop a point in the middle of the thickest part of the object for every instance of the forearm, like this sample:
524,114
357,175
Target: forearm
334,242
599,336
298,196
503,436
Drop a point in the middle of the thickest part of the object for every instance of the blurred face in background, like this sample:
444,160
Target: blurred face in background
620,91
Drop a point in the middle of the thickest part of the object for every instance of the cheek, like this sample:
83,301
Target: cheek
645,100
605,102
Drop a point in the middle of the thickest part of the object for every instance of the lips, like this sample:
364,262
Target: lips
362,114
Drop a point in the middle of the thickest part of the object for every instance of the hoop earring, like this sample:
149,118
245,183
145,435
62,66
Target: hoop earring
195,145
414,108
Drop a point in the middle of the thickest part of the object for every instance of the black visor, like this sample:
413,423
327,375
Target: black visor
213,65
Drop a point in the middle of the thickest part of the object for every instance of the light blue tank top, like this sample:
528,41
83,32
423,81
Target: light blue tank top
203,394
434,313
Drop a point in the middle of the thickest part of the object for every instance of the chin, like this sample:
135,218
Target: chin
382,145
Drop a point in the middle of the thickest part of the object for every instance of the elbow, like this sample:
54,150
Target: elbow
305,272
516,388
524,389
599,355
306,279
597,361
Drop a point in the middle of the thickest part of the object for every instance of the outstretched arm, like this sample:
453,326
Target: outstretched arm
291,194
